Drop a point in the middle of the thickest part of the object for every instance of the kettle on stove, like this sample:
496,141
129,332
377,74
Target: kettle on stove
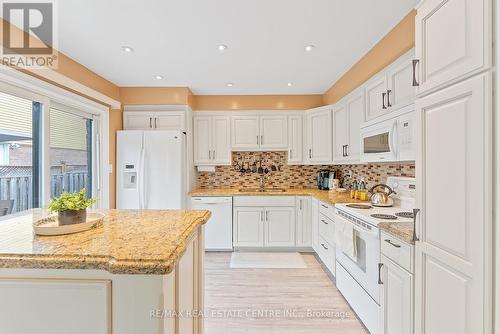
382,198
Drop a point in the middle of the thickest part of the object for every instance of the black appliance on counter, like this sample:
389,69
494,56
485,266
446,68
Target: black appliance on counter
322,180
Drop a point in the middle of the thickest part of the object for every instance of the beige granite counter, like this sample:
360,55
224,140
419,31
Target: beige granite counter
402,231
330,197
128,242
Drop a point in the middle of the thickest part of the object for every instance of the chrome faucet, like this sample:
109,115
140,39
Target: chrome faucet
262,181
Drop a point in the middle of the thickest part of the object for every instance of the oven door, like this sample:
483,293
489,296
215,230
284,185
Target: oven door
379,142
363,268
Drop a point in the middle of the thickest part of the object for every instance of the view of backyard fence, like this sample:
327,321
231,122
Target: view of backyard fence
16,183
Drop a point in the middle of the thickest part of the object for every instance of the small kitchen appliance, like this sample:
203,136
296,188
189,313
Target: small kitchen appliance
382,198
322,180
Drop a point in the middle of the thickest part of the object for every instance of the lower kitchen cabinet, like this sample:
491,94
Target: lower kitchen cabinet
314,223
264,227
397,298
279,227
248,227
304,225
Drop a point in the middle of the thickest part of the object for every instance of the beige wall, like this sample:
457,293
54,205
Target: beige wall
115,124
155,95
256,102
399,40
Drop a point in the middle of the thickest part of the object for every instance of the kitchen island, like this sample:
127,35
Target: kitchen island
134,274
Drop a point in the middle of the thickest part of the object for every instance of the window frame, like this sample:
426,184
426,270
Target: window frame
51,96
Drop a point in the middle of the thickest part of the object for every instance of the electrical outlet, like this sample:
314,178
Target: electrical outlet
349,173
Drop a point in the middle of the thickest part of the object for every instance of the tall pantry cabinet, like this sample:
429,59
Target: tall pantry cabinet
453,251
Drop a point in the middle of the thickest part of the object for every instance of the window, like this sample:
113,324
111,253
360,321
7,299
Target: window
71,152
48,147
19,154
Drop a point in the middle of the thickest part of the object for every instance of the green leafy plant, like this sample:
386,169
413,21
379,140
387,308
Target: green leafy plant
71,201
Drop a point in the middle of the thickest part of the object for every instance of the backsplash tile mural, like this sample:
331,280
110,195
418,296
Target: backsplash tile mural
287,176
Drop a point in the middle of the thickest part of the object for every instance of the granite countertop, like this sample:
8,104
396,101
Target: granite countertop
402,231
330,197
128,242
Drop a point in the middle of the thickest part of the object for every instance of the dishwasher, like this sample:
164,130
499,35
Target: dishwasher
219,228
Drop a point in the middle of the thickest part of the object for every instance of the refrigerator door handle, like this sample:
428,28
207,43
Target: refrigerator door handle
141,179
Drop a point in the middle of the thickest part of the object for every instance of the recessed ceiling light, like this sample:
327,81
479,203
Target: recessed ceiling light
290,84
158,77
230,84
127,49
222,47
309,48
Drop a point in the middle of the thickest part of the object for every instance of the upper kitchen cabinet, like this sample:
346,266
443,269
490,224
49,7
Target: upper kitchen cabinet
348,116
452,41
319,139
295,137
212,140
148,117
259,133
391,89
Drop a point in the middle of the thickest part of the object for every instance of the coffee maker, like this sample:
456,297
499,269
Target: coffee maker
322,180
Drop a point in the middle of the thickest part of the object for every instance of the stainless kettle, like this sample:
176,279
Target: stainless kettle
382,198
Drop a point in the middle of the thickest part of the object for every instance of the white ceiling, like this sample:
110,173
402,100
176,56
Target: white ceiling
265,39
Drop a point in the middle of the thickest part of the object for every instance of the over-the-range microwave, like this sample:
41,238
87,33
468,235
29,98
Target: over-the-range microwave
389,140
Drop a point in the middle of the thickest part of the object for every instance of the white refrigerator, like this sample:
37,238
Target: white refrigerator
150,170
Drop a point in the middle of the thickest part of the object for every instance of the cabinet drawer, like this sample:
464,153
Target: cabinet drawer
396,250
326,253
264,201
327,209
326,228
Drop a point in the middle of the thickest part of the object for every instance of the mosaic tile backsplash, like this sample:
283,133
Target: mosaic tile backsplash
293,176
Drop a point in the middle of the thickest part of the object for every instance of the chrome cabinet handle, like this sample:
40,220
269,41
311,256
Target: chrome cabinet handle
414,64
155,122
300,204
209,155
257,140
214,155
389,98
150,122
346,150
310,153
262,140
392,243
415,213
262,216
326,207
379,273
326,248
324,222
383,101
267,215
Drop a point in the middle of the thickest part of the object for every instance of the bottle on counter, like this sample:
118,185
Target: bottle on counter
354,189
362,190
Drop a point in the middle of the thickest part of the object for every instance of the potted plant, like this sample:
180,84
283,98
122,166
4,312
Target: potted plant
71,207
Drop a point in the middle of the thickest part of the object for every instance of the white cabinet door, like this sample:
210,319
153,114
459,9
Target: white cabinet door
400,90
138,120
279,227
295,144
221,140
397,298
169,121
245,132
320,136
341,131
452,293
273,133
355,117
452,40
376,96
248,227
304,224
315,223
202,137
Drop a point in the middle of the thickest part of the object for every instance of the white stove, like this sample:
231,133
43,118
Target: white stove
357,271
404,202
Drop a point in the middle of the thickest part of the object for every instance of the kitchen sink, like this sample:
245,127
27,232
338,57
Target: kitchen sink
262,190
